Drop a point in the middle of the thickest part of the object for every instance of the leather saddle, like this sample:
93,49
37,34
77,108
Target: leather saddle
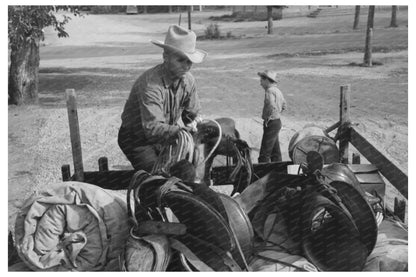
338,225
324,209
218,232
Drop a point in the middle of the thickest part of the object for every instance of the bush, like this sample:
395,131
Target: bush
213,31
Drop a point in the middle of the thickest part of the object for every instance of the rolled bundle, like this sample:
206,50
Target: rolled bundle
312,139
72,226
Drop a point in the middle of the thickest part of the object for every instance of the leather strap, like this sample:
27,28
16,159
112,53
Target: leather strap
190,256
225,256
135,181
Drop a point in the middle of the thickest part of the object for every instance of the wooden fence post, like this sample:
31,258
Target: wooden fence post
344,118
103,164
71,104
356,158
66,172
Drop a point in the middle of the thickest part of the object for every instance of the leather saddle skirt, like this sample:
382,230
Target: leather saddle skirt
216,225
208,234
353,197
330,239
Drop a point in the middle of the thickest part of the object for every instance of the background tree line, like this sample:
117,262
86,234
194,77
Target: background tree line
25,32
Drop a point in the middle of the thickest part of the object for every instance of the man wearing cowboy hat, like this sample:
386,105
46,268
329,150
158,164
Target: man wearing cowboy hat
274,104
159,98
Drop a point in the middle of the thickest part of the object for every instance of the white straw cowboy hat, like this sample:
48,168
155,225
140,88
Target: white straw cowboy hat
183,41
269,74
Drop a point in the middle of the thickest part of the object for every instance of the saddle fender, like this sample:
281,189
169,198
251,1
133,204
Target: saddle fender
353,197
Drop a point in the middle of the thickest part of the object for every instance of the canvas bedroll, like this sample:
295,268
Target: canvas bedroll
72,226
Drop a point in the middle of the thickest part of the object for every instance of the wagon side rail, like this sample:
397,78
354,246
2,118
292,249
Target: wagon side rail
347,134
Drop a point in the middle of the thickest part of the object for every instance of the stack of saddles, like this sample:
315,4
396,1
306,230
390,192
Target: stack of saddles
320,221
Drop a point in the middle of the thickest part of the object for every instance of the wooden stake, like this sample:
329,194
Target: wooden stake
332,127
344,118
103,164
66,172
71,104
356,158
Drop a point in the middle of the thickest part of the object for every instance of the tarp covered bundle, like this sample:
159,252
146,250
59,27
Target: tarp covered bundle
391,250
72,226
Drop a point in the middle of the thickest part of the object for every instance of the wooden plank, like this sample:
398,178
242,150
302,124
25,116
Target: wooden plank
220,174
112,179
344,118
386,167
332,127
71,104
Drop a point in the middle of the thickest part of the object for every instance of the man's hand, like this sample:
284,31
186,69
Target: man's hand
191,127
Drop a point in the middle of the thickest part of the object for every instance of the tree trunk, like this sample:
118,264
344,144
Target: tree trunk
189,18
356,17
279,14
368,39
24,73
371,11
269,20
393,22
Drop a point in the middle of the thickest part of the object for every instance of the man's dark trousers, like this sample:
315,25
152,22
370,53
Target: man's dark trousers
270,145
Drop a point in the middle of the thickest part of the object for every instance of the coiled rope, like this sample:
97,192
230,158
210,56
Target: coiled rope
182,149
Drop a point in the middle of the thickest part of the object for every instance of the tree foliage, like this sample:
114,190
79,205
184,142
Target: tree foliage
27,22
25,26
